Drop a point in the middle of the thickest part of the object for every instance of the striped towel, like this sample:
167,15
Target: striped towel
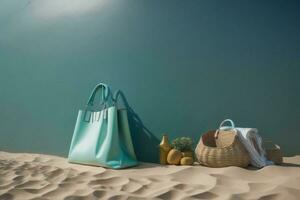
252,141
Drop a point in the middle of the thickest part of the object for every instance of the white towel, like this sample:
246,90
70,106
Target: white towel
252,141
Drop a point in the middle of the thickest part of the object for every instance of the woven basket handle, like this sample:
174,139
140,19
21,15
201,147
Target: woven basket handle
271,143
221,125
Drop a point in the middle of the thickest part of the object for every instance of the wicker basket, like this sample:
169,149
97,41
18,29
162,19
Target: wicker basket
221,148
273,152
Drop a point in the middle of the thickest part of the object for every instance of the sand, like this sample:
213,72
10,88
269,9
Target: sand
35,176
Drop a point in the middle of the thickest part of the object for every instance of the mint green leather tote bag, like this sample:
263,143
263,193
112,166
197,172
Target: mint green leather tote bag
102,136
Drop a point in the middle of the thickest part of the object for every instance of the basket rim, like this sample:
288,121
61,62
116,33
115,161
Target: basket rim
225,147
273,149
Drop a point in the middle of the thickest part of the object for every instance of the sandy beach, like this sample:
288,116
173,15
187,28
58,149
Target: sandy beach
35,176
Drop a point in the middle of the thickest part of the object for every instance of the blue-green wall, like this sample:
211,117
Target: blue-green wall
183,65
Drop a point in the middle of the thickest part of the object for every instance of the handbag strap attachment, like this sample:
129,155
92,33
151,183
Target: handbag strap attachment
222,124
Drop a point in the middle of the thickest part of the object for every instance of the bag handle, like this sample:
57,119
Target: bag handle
116,96
221,125
105,93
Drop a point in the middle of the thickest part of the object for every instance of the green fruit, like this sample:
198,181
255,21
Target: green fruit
183,144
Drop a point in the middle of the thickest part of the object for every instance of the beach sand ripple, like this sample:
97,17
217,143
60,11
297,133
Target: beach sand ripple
44,177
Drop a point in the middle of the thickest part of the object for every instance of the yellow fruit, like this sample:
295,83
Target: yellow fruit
186,161
188,154
174,157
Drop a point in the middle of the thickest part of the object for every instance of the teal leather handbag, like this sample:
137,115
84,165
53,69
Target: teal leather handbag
102,137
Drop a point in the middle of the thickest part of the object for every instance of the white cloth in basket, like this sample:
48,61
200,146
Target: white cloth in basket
252,141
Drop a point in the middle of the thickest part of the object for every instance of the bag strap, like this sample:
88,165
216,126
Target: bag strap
105,93
116,96
222,124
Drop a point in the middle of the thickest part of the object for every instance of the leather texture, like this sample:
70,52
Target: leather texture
102,137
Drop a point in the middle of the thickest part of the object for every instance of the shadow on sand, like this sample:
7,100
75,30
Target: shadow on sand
144,141
289,165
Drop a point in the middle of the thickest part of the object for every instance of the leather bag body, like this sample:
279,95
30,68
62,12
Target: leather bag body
101,137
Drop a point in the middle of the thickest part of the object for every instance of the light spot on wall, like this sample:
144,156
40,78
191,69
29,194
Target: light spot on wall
59,8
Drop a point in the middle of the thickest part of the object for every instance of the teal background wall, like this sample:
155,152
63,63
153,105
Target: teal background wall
183,65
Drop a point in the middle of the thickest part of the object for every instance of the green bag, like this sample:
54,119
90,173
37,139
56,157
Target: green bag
102,137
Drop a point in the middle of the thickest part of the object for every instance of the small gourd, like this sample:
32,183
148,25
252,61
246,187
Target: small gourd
174,157
188,154
186,161
164,148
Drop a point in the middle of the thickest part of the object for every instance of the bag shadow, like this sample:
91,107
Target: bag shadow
144,141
